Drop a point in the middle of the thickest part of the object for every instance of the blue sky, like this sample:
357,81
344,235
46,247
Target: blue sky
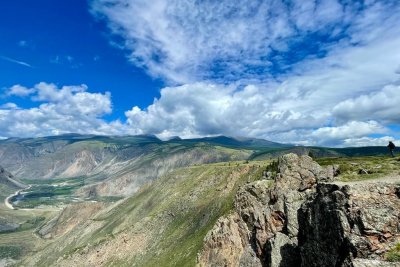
66,45
306,72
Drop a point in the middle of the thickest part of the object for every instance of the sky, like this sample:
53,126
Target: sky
323,72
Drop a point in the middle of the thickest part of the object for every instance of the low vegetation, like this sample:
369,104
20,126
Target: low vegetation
393,255
53,193
13,252
362,168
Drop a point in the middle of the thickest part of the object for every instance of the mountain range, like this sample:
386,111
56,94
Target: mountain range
141,201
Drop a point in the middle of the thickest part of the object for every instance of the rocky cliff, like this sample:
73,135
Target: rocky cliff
300,217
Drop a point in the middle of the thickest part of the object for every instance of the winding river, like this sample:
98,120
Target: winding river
7,201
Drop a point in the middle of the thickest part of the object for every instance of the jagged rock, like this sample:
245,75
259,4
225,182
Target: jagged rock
269,212
226,244
324,229
341,223
301,219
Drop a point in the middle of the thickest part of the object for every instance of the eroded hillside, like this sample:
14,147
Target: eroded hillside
163,224
110,165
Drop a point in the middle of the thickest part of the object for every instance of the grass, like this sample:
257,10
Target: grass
376,166
393,255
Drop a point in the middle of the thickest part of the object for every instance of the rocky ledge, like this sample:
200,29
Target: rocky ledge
302,218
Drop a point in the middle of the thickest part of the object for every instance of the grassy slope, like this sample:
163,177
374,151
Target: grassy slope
377,166
174,214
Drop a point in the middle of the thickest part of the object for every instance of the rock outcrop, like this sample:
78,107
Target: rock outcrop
303,219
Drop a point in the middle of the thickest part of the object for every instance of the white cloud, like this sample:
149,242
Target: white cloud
187,41
63,110
348,131
9,105
194,110
18,90
205,109
370,141
305,72
381,104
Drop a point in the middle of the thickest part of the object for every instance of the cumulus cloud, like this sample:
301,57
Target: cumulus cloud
348,131
61,110
191,110
9,105
205,109
18,90
381,104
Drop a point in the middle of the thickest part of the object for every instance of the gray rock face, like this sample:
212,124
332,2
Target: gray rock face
324,230
341,223
301,220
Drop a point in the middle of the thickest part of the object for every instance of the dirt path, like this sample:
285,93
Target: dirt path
392,179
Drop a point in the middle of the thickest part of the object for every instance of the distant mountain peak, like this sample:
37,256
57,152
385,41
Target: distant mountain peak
174,138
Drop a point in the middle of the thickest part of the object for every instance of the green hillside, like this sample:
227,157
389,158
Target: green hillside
162,225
